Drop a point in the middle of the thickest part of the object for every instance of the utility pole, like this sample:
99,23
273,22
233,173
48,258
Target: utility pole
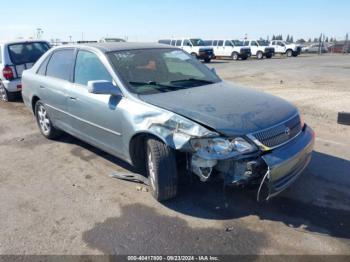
70,39
346,44
39,32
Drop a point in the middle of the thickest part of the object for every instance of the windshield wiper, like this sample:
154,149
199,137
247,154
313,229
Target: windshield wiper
193,80
151,83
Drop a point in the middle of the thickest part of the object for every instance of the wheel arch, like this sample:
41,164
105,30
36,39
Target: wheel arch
137,141
35,99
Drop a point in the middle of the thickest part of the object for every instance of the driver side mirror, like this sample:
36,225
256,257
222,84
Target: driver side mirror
102,87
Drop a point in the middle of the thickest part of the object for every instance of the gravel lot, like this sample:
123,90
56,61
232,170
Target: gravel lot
56,197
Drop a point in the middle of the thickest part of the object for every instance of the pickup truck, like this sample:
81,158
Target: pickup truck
284,48
233,49
260,48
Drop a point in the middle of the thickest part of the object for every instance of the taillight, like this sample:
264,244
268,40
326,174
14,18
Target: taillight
8,73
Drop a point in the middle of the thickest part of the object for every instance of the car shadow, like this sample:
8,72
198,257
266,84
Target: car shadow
297,207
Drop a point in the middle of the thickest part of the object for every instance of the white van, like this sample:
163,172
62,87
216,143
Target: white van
193,46
229,48
260,48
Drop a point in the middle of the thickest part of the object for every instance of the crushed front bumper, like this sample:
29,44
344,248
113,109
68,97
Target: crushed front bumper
276,169
286,164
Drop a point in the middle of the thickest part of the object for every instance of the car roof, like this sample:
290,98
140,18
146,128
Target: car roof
120,46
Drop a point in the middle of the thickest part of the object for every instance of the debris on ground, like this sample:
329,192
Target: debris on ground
136,178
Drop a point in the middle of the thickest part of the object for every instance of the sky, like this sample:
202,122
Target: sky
150,20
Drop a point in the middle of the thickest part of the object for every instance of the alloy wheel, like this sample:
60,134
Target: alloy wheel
3,94
44,120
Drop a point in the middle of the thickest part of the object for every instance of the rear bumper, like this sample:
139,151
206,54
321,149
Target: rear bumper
13,85
287,163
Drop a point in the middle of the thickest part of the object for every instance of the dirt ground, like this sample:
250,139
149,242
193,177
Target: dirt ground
56,197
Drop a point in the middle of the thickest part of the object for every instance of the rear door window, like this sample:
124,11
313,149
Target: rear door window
30,52
88,67
60,64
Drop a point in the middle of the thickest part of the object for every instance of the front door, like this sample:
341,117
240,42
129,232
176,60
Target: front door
94,118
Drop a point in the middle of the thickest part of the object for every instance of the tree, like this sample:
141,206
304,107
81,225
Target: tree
287,39
327,39
309,40
291,39
301,41
273,37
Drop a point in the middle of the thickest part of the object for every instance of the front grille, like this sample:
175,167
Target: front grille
280,134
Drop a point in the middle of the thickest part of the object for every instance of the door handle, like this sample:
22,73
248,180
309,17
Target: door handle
73,98
42,87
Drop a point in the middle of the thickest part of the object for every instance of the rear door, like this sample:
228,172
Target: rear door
56,76
94,118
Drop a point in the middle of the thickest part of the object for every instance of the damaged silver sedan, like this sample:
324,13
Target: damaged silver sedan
160,109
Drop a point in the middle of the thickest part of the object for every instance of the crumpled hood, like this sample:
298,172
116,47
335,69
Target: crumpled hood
226,108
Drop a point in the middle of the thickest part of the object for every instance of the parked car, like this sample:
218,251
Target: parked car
260,48
315,48
15,57
229,48
194,46
289,49
111,39
160,109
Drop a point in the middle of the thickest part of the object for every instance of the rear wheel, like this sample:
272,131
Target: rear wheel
207,60
260,55
44,122
5,95
162,170
235,56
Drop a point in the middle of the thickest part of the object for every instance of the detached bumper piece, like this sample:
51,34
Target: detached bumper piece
344,118
287,163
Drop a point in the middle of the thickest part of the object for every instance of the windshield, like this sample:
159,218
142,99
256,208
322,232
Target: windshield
263,42
23,53
151,71
114,40
197,42
237,42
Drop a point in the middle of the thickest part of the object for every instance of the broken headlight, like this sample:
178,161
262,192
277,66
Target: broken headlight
221,148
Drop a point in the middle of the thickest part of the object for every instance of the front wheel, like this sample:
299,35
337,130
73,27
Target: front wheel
260,55
44,122
269,56
207,60
162,170
289,53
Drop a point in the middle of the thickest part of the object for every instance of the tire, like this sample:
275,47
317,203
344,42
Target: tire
194,55
5,95
207,60
295,54
235,56
244,57
289,53
269,56
162,170
259,55
44,122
